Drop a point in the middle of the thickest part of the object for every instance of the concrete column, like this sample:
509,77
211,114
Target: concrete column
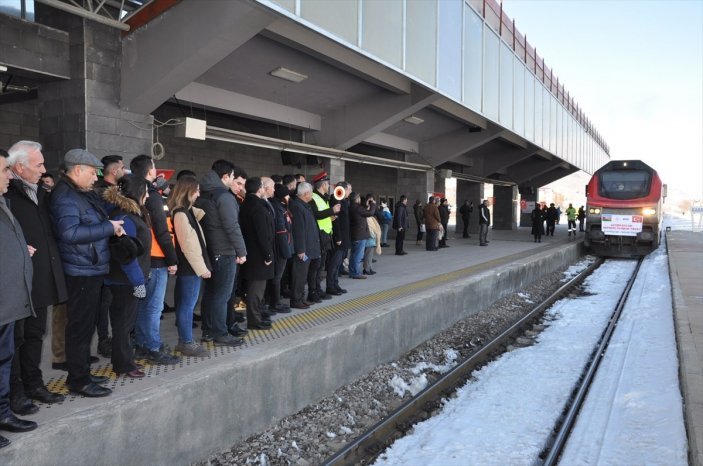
84,111
415,185
335,169
527,194
472,191
504,217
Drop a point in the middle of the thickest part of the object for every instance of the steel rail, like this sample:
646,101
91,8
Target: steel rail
555,448
370,442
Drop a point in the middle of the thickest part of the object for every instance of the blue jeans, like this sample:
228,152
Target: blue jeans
218,289
146,329
357,255
384,233
187,291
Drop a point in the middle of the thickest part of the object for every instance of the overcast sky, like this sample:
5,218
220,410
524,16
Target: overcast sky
636,68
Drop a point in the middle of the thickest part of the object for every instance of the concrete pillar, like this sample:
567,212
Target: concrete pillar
528,196
84,111
335,169
504,217
473,192
415,185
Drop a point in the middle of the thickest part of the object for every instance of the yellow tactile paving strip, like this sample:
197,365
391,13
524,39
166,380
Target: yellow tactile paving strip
295,323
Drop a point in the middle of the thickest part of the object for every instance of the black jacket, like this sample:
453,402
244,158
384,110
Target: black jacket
256,220
400,219
444,214
484,215
306,237
158,214
221,222
465,211
340,228
283,244
48,282
359,227
537,218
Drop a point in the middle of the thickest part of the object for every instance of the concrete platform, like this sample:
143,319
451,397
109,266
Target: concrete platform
686,269
183,413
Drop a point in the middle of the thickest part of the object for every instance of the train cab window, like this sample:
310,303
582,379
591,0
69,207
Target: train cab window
624,184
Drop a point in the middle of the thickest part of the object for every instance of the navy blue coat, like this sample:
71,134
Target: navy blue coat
306,234
82,230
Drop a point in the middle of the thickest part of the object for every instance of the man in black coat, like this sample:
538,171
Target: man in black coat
29,205
257,224
401,224
306,243
484,221
341,241
465,211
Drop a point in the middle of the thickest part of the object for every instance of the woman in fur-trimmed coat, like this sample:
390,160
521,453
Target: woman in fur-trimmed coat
128,276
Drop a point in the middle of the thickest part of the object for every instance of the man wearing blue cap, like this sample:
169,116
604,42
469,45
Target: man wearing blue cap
83,228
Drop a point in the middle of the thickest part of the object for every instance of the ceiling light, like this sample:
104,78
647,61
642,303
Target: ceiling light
288,75
413,120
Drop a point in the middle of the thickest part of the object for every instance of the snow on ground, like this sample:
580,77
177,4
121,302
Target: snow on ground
506,413
633,413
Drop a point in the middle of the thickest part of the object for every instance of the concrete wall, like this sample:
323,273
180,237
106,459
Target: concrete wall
504,210
18,121
192,416
474,193
33,47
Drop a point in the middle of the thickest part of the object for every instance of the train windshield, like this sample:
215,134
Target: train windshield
624,184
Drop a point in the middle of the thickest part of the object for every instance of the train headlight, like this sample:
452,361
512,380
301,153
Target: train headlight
649,211
594,210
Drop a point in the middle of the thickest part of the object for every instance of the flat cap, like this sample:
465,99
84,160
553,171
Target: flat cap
81,157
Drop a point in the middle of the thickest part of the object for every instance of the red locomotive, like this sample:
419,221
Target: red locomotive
624,209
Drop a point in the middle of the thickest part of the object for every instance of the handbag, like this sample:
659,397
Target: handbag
423,229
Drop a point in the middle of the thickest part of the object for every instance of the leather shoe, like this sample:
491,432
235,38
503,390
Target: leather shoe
11,423
334,292
237,331
44,395
263,325
299,305
98,379
359,277
314,298
22,405
401,253
92,390
341,290
3,442
59,366
134,374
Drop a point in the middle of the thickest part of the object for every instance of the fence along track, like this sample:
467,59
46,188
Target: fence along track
381,435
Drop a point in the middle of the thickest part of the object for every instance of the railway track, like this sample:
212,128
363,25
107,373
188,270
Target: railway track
366,447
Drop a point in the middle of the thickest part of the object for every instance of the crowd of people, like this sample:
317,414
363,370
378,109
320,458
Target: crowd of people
544,220
98,244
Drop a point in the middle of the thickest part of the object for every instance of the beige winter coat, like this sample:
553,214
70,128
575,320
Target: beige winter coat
188,240
375,230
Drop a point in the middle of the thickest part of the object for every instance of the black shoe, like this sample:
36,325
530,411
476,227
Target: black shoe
373,261
3,442
22,405
237,331
94,359
197,318
105,347
312,298
98,379
341,290
325,296
240,317
263,325
282,308
92,390
163,358
206,338
401,253
371,272
44,395
11,423
228,340
333,292
59,366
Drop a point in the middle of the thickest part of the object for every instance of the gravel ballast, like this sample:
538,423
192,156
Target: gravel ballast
319,430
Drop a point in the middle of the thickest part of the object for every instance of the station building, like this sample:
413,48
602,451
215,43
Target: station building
395,96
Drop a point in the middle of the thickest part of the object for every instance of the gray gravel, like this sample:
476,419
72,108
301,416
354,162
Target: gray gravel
318,431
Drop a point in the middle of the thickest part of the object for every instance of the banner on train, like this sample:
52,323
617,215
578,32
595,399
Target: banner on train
621,225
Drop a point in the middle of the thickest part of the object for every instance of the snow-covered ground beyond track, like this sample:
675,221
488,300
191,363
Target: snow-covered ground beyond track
505,414
633,413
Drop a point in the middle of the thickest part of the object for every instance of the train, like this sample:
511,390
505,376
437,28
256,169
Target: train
624,204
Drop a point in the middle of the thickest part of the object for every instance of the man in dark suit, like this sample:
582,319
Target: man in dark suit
256,221
401,224
29,205
15,275
306,243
